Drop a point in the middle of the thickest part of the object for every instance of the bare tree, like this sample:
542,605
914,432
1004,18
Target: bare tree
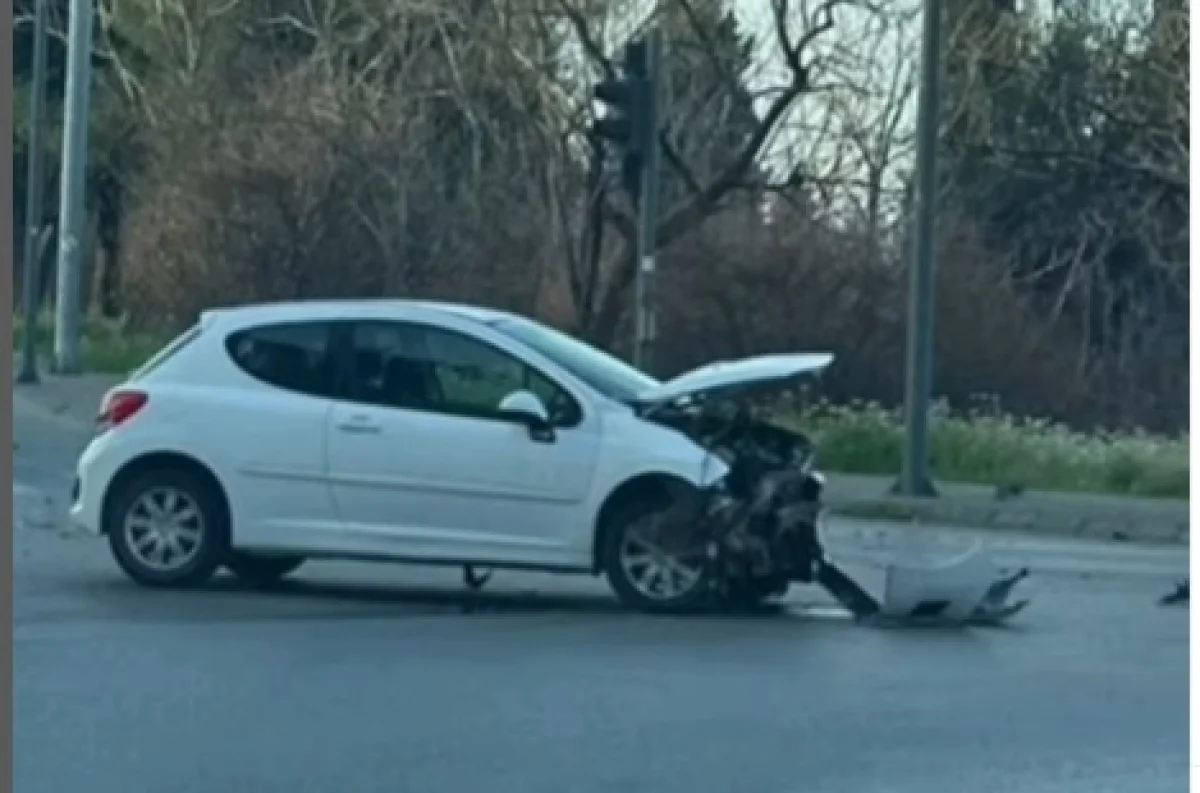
796,33
1069,147
877,123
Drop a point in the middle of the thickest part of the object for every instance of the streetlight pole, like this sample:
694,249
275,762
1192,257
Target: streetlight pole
74,177
31,277
914,477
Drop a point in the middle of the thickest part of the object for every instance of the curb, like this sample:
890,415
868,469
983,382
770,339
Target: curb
60,412
1167,525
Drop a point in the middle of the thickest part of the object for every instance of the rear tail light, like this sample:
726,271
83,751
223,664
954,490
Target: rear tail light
120,406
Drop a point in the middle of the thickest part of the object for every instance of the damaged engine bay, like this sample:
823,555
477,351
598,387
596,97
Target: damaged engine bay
757,528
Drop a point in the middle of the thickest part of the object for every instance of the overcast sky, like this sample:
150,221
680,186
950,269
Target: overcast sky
873,57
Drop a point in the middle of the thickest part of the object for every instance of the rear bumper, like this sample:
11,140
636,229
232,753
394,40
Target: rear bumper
84,519
94,471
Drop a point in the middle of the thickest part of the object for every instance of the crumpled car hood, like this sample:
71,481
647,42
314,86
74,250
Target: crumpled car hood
727,376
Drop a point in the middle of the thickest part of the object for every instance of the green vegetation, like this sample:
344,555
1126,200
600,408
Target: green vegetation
1003,450
990,449
108,346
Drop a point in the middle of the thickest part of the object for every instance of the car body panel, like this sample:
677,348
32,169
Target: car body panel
725,376
426,486
269,458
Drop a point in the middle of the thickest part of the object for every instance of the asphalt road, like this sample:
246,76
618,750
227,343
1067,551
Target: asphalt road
389,679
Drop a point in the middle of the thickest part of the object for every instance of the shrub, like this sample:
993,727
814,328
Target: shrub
1003,450
107,346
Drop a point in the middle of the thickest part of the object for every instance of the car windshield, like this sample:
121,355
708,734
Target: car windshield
607,374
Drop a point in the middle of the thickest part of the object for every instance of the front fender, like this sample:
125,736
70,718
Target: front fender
636,451
639,448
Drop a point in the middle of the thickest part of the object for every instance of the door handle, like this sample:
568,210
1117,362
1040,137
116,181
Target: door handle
359,425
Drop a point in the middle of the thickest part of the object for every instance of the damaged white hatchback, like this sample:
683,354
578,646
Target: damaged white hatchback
435,433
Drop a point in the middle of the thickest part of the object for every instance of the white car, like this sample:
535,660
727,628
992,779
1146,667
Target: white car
405,431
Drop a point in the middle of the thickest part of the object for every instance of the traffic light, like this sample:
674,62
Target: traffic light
629,117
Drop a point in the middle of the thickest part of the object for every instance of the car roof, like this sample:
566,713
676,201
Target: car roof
298,310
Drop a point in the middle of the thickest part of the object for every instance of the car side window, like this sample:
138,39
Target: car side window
390,367
294,356
418,367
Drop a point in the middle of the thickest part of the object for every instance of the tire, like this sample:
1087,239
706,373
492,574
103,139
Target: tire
262,571
625,521
200,533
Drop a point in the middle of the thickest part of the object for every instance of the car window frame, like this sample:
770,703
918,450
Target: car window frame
350,390
336,385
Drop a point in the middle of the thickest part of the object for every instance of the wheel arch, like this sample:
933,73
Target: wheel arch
640,486
157,461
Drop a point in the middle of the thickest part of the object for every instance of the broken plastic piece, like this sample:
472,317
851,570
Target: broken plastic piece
473,580
967,590
1181,594
843,588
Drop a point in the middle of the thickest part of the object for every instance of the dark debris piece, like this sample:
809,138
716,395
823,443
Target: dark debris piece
1182,594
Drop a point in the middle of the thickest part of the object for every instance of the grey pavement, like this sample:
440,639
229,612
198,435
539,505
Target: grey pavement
386,678
1094,516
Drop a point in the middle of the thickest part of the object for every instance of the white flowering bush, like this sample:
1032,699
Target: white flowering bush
998,449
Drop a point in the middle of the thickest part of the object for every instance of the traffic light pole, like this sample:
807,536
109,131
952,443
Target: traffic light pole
631,123
645,300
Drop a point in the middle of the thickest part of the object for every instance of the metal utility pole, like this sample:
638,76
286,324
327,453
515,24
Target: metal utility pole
914,477
33,251
74,177
646,326
632,124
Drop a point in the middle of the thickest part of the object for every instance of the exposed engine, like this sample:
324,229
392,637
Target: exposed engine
755,531
760,521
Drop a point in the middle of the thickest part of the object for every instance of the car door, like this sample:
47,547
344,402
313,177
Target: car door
423,464
272,438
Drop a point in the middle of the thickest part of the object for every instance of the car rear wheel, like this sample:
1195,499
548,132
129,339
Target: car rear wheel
168,528
261,570
650,570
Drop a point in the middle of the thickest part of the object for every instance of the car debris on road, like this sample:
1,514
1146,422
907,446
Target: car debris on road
1180,595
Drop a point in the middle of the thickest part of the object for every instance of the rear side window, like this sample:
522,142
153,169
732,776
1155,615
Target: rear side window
159,358
294,356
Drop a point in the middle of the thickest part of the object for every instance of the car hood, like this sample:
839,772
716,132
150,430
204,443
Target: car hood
728,376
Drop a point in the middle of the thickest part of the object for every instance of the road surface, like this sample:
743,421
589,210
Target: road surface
384,679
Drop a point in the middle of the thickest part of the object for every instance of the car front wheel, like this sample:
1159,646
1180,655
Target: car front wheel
653,566
168,528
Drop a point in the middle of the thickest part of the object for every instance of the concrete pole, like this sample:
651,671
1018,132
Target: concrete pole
72,211
33,251
915,479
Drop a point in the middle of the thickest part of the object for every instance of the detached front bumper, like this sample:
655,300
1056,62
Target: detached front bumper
969,591
966,589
